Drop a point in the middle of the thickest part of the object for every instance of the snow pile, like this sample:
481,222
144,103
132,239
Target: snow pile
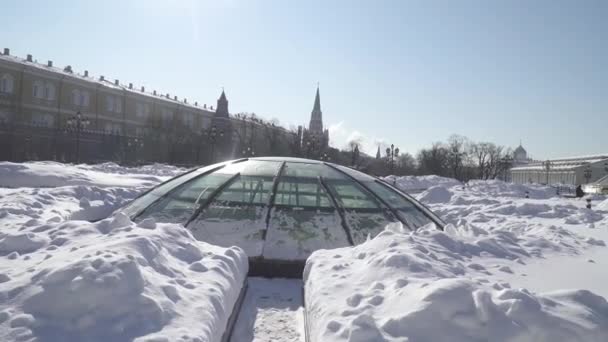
435,194
500,188
603,205
31,206
419,183
433,286
52,174
115,281
156,169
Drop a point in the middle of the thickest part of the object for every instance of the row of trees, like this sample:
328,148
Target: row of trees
457,157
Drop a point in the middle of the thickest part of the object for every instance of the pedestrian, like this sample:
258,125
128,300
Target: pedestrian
579,191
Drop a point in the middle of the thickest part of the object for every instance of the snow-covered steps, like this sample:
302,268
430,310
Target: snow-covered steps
271,312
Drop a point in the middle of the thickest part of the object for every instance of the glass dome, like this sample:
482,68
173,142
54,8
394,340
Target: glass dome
280,208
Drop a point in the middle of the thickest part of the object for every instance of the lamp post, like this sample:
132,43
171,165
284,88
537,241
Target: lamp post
547,165
588,172
311,143
391,154
248,152
506,162
213,134
77,123
136,144
355,157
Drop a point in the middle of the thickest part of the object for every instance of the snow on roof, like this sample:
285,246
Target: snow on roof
98,81
563,164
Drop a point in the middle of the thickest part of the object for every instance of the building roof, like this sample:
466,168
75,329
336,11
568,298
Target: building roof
520,149
98,81
564,164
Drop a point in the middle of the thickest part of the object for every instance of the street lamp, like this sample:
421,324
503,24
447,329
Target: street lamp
77,123
213,134
355,156
391,154
588,172
135,144
506,163
248,152
547,165
312,144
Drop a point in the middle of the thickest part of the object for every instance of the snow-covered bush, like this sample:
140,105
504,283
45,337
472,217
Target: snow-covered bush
433,286
115,280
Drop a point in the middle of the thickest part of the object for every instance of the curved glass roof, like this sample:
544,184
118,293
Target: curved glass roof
280,208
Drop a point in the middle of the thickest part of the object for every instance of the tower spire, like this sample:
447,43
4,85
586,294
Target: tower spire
316,117
317,106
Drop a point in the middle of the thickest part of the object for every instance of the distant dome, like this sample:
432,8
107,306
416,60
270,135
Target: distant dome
520,150
520,155
280,208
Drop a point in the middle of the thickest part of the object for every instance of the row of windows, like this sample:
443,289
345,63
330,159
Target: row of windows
81,98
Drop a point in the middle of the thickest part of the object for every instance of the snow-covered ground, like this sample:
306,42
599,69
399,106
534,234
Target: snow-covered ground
39,192
272,311
420,183
507,268
113,280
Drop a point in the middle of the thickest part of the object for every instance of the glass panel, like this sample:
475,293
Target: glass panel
364,223
253,168
364,214
304,218
360,176
301,192
145,200
238,215
179,205
294,233
406,210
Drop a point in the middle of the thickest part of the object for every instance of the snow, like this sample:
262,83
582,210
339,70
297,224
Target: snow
272,311
418,183
53,174
506,268
65,279
114,279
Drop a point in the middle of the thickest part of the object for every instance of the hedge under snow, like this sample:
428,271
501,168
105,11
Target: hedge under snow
115,281
432,286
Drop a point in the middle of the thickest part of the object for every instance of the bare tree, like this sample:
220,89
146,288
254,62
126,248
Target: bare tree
406,164
355,146
433,160
457,151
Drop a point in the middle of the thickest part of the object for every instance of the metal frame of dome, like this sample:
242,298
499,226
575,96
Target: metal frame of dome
328,185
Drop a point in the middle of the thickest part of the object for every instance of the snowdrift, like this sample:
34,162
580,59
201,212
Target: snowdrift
31,207
115,281
500,188
433,286
419,183
53,174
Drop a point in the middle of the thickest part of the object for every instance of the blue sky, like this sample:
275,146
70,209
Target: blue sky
403,72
